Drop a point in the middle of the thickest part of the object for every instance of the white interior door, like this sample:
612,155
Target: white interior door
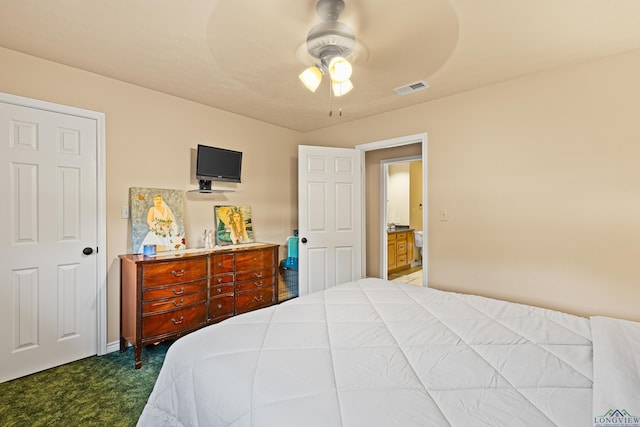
48,286
329,217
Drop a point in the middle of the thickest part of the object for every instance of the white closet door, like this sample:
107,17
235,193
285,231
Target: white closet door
48,285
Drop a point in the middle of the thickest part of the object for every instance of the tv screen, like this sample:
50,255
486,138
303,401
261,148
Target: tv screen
218,164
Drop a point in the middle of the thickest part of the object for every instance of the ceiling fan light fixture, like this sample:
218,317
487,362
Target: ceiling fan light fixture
341,88
340,69
311,78
330,42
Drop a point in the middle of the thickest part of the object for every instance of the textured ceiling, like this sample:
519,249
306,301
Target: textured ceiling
244,56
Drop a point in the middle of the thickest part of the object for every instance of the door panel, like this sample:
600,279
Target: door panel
329,215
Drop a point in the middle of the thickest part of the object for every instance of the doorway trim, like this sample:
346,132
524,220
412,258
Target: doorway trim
420,138
101,221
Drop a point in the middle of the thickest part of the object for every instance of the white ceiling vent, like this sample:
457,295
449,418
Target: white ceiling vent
411,88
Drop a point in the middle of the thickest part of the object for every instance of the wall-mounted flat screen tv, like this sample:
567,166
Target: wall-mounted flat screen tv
218,164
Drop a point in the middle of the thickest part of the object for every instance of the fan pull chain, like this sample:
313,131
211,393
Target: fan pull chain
331,104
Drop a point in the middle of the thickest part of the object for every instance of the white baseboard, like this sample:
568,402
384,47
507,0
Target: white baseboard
113,346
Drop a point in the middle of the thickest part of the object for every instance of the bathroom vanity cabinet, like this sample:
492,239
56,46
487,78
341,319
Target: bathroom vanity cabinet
400,246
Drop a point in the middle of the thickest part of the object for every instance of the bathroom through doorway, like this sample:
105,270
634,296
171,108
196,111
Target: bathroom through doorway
403,216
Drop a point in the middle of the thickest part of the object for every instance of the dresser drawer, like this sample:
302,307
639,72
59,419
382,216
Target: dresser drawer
216,291
247,301
254,260
179,289
166,273
221,264
255,274
401,247
173,303
250,285
174,321
221,307
220,279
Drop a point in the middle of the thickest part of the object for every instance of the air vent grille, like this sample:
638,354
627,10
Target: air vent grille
411,88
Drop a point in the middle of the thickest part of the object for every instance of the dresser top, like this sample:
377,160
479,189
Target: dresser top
196,252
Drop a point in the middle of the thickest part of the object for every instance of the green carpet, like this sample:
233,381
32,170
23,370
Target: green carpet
96,391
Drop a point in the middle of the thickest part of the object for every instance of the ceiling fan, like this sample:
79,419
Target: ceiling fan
330,42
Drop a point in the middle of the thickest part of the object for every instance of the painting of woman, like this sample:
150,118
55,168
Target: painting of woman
233,225
162,225
158,223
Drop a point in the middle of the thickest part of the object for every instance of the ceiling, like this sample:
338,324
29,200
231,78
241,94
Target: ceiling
244,56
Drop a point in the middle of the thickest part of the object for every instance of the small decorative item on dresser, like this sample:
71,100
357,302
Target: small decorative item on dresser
149,250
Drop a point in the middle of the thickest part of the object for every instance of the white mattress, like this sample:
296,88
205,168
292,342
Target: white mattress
378,353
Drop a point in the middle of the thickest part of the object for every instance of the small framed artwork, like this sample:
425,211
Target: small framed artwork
233,225
157,219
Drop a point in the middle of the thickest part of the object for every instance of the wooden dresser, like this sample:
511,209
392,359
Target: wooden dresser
399,250
169,295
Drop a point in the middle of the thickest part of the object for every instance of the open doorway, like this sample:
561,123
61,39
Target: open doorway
375,256
402,214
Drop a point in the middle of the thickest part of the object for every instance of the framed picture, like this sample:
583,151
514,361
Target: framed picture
233,225
157,218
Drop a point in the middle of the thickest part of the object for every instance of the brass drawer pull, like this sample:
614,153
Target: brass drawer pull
219,290
259,298
219,279
175,303
219,264
258,275
258,284
219,306
178,292
177,322
178,273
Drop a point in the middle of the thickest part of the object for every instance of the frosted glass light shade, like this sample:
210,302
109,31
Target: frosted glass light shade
311,78
340,69
341,88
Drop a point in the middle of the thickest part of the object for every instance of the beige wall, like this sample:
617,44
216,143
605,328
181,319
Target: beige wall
415,200
415,196
149,141
541,181
398,186
539,175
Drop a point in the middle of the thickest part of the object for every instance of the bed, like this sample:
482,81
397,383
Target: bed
378,353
